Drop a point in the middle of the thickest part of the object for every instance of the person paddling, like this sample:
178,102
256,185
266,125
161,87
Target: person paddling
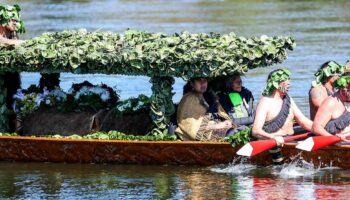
10,25
333,116
322,87
276,111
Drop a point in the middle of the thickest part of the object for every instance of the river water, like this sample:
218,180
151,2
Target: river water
321,29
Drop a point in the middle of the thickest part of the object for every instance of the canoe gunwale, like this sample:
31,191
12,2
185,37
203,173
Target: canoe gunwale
19,148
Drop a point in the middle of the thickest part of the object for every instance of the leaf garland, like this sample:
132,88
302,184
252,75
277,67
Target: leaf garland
239,138
332,69
135,52
162,106
8,13
276,78
343,81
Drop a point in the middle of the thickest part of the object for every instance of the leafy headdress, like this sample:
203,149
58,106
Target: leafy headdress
8,13
275,78
343,81
332,68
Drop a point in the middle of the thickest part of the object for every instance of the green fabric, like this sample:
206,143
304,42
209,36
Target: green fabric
237,101
235,98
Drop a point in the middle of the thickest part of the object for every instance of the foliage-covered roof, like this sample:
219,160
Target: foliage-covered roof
183,55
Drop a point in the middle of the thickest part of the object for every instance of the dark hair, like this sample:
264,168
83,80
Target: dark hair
209,96
345,74
188,87
324,65
230,80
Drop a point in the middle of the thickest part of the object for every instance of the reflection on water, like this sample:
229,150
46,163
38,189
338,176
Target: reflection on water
82,181
321,29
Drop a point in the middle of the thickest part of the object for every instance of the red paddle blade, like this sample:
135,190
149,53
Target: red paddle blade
317,142
256,147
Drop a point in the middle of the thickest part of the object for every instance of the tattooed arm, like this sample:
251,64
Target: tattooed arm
317,96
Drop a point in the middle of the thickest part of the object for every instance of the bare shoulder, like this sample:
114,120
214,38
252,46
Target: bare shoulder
329,102
317,92
264,102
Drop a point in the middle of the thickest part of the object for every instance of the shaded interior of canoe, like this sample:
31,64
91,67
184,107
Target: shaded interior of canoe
151,152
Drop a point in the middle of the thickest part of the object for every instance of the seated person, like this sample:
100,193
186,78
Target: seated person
322,87
276,111
238,101
200,115
333,116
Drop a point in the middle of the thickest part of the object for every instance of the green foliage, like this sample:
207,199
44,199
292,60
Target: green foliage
8,134
276,78
3,108
111,135
239,138
132,104
332,69
162,106
8,13
141,53
342,82
81,97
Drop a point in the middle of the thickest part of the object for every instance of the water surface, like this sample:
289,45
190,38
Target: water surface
321,29
92,181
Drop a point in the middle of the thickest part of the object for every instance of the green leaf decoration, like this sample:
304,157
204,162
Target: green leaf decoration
185,55
332,69
7,13
239,138
342,82
276,78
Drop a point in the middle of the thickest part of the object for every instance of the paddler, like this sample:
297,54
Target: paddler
322,87
276,111
333,116
10,24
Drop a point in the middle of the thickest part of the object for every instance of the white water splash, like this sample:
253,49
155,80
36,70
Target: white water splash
238,166
297,168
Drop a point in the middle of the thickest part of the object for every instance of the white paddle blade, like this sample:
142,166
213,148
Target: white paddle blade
306,145
246,150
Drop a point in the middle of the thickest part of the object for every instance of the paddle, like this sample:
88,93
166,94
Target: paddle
318,142
256,147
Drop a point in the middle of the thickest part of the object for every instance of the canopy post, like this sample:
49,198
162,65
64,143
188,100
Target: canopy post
4,121
162,106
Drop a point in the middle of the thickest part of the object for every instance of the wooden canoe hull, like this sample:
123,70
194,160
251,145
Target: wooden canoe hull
150,153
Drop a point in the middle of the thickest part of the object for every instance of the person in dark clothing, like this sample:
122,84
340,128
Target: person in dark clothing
238,101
